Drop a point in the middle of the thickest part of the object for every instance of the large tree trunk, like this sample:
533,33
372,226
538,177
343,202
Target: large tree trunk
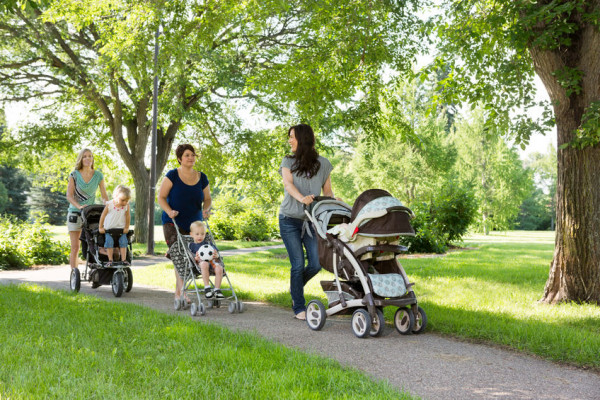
575,270
133,153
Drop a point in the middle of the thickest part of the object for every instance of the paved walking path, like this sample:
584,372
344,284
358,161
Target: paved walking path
426,365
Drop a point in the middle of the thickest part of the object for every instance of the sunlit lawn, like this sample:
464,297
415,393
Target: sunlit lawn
60,345
489,293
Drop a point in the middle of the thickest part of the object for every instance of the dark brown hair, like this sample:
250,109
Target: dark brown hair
181,149
307,159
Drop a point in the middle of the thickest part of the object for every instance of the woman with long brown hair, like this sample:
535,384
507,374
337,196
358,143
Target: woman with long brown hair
305,174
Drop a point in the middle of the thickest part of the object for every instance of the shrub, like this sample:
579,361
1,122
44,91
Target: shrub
241,219
25,244
455,209
442,221
429,236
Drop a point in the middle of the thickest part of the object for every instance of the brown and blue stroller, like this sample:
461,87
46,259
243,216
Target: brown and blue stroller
98,271
360,245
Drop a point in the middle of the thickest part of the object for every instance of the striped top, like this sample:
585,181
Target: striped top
85,192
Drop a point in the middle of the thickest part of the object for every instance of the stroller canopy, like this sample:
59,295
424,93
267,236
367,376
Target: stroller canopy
328,212
377,213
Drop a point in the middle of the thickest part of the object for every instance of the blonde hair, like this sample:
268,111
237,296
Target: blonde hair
124,190
198,225
79,161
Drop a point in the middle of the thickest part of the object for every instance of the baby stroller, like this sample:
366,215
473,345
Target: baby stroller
97,270
359,246
185,263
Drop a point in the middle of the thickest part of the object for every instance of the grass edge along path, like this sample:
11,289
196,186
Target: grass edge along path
488,294
56,344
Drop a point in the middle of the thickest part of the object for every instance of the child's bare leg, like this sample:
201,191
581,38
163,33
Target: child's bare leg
205,273
123,251
218,275
109,253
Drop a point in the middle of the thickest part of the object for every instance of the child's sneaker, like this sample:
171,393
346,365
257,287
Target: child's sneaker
208,293
218,294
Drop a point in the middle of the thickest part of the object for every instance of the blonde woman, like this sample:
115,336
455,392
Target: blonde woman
84,182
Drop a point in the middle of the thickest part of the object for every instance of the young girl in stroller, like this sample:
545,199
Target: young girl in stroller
98,269
359,245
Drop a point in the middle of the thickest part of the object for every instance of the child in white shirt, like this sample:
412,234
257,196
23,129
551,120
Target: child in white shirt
116,215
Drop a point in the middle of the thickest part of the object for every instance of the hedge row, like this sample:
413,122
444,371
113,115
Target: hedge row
24,244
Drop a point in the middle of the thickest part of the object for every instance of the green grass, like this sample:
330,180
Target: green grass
59,345
489,294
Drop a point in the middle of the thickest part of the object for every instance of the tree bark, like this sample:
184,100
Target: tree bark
575,269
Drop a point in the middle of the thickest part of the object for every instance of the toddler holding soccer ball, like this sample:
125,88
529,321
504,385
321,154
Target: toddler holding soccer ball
205,256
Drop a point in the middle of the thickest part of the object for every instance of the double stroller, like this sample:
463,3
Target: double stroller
97,269
189,271
360,245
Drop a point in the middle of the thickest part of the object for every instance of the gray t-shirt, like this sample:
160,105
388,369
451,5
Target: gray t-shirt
290,207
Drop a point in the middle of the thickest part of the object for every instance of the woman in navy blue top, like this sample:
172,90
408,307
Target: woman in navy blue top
184,195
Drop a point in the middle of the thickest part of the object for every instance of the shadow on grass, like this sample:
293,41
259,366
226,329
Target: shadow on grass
576,341
517,264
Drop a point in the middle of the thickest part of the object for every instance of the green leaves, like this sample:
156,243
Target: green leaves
588,133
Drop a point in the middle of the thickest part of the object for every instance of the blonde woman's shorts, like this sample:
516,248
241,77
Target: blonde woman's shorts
74,221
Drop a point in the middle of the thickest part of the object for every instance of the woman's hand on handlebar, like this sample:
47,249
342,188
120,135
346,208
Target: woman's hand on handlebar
306,200
173,213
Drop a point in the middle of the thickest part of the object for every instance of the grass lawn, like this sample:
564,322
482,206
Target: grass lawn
488,293
59,345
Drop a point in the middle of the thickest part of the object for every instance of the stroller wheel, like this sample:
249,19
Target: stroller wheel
361,323
420,321
315,315
404,320
75,281
128,279
117,284
377,324
202,309
210,304
177,305
232,307
193,309
241,307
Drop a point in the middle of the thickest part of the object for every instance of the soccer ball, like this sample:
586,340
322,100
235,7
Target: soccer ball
206,252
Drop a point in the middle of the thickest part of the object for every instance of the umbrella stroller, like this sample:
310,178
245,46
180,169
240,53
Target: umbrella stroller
359,246
189,271
97,270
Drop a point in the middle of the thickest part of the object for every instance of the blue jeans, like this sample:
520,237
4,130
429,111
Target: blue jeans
291,233
109,243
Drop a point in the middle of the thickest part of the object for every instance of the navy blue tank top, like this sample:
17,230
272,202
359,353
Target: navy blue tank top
187,199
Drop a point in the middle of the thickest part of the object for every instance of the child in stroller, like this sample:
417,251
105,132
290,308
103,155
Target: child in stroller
207,263
116,215
98,270
187,268
359,245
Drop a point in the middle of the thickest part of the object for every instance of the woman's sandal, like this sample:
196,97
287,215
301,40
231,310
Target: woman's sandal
187,299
